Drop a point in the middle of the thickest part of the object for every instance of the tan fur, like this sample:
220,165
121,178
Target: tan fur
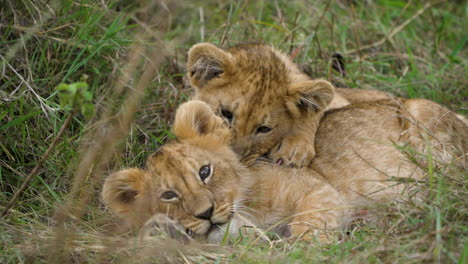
356,96
357,145
261,86
356,163
261,195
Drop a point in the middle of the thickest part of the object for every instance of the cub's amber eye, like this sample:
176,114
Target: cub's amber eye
204,172
169,196
263,129
227,114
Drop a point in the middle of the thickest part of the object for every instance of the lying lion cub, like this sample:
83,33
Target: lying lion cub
198,181
271,106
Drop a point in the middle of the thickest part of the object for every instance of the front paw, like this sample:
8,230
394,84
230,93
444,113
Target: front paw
294,152
162,225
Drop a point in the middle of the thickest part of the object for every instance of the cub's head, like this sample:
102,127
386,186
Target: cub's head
195,180
259,92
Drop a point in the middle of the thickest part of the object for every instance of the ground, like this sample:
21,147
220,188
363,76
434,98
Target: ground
132,55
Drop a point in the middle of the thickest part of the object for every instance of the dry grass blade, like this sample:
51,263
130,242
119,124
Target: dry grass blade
97,155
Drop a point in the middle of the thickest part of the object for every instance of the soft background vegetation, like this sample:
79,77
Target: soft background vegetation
132,55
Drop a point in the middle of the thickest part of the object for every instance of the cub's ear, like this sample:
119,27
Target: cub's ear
195,118
309,96
121,190
206,62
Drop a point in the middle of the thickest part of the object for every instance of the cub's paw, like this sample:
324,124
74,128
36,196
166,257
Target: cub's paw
294,152
161,225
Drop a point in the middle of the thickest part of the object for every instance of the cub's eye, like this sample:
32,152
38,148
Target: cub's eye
169,196
263,129
227,114
204,172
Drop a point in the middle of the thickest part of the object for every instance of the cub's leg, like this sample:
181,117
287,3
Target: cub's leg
297,148
305,102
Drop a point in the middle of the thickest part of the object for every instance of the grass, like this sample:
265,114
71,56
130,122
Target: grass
411,49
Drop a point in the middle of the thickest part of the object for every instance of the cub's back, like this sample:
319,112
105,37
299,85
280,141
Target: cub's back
355,151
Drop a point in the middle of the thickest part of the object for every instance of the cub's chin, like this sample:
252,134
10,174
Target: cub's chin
218,232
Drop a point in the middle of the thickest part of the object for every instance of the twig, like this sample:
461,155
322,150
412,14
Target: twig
395,30
325,10
202,24
227,27
356,37
36,168
228,23
293,31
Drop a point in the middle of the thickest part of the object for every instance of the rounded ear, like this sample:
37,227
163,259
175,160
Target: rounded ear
121,189
195,118
205,62
309,96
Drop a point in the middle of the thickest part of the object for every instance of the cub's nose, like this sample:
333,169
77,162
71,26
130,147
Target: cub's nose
206,215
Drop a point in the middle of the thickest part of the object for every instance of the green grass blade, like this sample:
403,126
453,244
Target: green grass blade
19,120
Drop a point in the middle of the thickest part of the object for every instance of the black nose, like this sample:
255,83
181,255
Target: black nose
206,215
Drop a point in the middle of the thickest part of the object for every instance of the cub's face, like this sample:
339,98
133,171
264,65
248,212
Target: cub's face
257,123
258,91
196,180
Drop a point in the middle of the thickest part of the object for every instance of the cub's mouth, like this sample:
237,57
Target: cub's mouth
213,227
212,230
161,224
218,225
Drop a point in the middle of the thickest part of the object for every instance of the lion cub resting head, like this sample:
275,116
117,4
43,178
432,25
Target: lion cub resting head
199,182
271,106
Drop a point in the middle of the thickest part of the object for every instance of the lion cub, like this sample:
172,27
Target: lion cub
198,181
271,106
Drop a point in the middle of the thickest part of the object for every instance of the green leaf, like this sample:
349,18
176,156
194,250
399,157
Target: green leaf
87,110
77,97
88,96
